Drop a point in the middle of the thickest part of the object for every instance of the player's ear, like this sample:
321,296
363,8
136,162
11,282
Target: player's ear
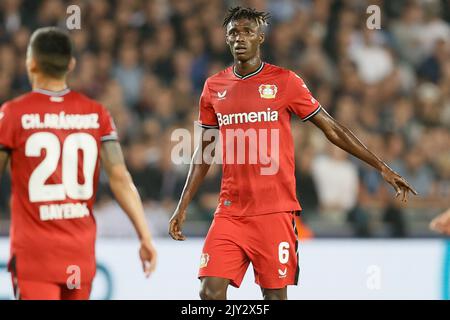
262,37
32,64
72,65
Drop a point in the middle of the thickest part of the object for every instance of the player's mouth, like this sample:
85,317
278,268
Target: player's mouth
240,50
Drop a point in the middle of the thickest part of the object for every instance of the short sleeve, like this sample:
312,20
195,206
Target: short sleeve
108,130
300,100
7,128
207,117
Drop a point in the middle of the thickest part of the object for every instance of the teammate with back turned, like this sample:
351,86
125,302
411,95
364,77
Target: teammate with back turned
253,102
55,138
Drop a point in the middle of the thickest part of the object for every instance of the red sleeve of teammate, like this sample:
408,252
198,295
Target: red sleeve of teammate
300,100
7,128
107,127
207,117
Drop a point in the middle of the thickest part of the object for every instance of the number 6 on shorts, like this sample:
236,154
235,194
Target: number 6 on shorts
283,252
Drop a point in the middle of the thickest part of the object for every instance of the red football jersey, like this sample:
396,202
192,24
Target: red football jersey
54,139
253,113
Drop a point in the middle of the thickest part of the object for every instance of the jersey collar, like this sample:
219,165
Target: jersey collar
53,93
250,74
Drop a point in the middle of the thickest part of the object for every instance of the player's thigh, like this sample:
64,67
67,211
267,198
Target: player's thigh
274,294
213,288
81,293
274,250
35,290
222,255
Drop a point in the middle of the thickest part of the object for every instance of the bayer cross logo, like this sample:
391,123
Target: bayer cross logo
204,259
268,91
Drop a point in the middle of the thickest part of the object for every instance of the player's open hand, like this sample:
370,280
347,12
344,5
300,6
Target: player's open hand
176,224
148,256
401,186
441,223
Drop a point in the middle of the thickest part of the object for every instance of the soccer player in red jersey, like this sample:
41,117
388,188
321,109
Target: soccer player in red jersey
251,103
55,138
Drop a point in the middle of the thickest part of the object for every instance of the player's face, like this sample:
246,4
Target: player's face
244,38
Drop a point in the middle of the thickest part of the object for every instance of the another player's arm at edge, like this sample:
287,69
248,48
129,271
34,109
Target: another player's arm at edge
129,200
346,140
441,223
197,172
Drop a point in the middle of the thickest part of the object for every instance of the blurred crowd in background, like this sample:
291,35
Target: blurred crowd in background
147,60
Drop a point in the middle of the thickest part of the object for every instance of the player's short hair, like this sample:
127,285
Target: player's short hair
235,13
52,49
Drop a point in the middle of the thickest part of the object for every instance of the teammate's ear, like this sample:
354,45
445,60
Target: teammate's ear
72,65
32,65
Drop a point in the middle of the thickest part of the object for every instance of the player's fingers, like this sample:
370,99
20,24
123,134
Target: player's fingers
146,267
172,234
446,218
408,187
441,220
439,228
405,194
433,225
397,190
180,236
178,232
149,263
439,225
173,229
152,266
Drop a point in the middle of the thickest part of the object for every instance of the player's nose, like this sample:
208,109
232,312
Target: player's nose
240,37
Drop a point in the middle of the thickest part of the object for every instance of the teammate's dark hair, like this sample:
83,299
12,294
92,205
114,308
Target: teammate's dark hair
236,13
52,49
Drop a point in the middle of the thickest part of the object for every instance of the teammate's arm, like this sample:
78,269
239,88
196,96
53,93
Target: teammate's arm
128,198
197,171
4,156
346,140
441,223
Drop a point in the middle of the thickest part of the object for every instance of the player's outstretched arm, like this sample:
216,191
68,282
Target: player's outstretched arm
128,198
346,140
441,223
197,171
4,156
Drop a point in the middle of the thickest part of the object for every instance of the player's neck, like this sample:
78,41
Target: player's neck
45,83
244,68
